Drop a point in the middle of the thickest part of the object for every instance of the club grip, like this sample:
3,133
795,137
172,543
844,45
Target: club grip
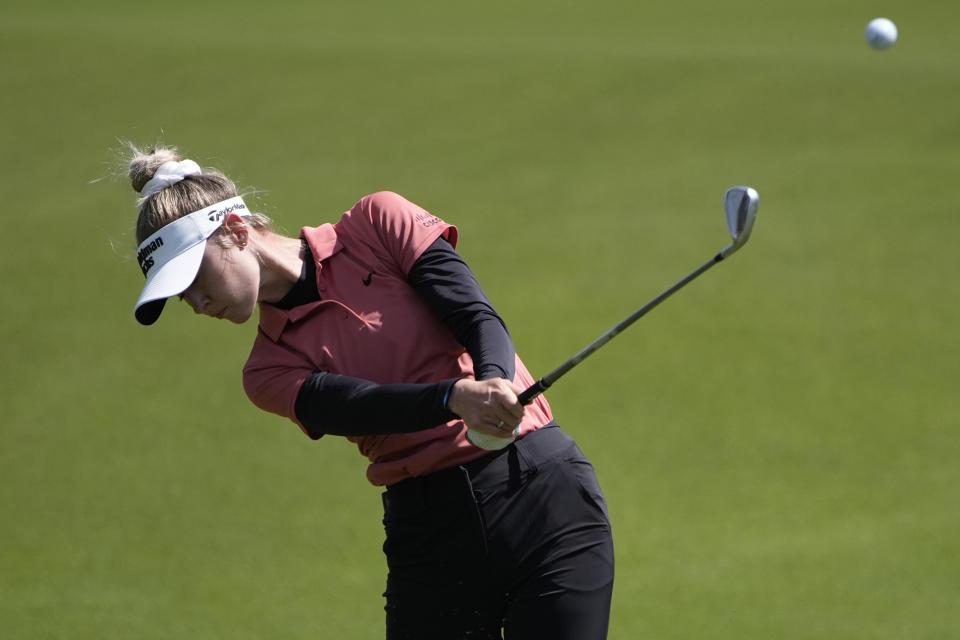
532,392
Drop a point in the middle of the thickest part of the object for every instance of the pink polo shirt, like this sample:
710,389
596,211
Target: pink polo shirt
372,324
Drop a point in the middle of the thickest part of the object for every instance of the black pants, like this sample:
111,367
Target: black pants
516,542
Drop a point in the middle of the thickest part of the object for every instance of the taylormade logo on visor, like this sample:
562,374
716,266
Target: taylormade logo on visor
215,215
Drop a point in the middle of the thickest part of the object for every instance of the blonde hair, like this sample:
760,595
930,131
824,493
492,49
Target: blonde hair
190,194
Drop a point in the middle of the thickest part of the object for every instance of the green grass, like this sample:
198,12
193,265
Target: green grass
778,443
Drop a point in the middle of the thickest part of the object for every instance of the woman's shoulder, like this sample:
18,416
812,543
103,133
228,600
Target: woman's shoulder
384,198
381,202
385,210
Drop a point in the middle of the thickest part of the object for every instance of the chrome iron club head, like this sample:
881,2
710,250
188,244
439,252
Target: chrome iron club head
741,206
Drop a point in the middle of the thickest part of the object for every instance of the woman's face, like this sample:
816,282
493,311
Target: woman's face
227,283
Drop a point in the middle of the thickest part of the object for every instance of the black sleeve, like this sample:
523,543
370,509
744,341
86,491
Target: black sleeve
334,404
443,278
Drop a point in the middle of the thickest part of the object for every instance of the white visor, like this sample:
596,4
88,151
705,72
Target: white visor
171,257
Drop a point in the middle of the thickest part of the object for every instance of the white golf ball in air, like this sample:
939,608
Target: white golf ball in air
881,33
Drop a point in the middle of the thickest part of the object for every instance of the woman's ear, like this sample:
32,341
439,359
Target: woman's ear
237,229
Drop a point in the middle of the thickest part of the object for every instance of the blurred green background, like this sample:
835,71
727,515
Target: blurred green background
778,443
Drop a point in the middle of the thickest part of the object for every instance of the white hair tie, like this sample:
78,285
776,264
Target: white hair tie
168,174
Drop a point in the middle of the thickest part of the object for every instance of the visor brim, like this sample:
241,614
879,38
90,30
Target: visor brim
170,279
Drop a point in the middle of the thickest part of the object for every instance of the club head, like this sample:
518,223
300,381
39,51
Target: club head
741,206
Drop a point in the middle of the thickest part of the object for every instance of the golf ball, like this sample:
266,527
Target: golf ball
881,33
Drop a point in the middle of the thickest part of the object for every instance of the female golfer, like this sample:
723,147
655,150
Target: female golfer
374,328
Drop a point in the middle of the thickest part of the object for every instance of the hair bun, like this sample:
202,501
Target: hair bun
144,164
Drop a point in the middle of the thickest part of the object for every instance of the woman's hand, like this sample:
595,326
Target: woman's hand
487,406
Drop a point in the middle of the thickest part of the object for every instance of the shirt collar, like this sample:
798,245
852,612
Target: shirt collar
324,243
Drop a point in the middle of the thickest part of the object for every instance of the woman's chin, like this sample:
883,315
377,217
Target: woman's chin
239,316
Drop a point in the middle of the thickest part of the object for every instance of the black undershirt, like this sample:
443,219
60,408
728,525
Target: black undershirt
335,404
304,290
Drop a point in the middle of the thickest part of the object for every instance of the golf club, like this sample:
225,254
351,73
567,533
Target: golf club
741,207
